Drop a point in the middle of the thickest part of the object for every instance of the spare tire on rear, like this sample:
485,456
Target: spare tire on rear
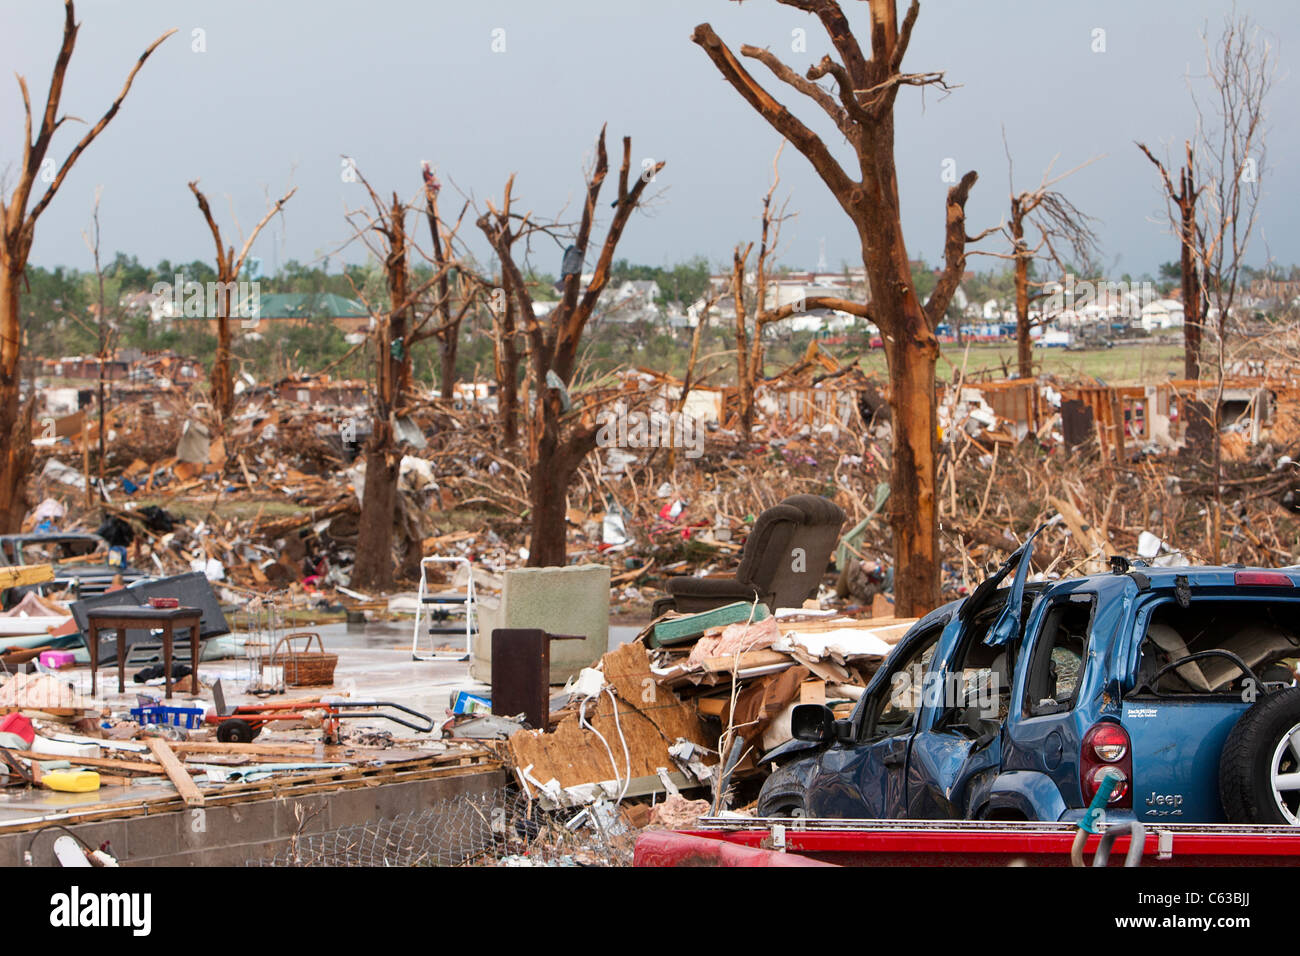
1259,769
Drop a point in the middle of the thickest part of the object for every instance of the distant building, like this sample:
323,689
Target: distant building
299,308
1162,314
634,300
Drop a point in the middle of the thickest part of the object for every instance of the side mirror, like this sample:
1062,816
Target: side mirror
814,723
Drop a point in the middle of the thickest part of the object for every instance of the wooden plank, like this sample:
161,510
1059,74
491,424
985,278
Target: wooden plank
176,772
107,763
728,663
16,576
713,706
883,624
216,747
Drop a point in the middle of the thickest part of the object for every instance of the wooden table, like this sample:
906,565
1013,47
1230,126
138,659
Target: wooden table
124,616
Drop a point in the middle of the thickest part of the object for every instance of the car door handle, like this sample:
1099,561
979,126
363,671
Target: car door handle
893,759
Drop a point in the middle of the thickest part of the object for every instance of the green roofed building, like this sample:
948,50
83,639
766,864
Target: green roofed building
348,314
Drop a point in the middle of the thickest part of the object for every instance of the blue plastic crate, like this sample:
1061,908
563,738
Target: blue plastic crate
188,717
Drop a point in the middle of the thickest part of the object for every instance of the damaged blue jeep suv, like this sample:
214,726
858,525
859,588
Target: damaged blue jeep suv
1016,702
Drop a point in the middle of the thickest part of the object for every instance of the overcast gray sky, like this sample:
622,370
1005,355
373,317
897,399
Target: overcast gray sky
285,88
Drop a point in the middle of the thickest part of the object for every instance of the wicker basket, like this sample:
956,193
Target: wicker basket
305,668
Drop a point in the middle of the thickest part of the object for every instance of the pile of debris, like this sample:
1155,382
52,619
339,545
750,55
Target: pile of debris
693,701
273,501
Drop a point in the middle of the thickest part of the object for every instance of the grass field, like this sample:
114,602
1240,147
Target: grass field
1121,365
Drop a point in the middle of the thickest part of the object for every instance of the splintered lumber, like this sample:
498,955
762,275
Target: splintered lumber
651,718
107,763
16,576
889,630
215,747
713,706
678,630
734,663
176,772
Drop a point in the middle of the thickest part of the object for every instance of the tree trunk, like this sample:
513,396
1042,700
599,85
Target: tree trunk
15,417
548,487
447,372
223,385
505,359
1024,349
744,380
373,568
1192,312
911,350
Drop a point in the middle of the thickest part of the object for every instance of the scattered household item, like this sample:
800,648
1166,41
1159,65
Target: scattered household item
19,726
485,727
782,564
305,668
568,600
123,616
264,628
154,671
71,781
242,723
466,703
520,676
191,590
687,628
439,608
187,717
56,659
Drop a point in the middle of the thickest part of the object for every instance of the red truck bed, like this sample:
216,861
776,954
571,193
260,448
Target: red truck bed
953,843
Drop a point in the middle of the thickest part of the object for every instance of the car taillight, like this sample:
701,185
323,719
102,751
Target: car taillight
1109,742
1107,750
1263,579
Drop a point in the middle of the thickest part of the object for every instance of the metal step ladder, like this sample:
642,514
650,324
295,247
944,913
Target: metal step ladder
439,610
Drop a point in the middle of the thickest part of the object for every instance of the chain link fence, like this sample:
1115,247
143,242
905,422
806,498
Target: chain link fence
500,828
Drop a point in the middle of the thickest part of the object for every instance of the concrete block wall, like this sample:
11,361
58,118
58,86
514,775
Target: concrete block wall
240,833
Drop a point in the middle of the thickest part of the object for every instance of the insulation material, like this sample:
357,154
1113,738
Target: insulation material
736,639
842,644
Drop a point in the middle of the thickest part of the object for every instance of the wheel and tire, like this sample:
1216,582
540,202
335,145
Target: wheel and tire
1259,770
236,732
782,794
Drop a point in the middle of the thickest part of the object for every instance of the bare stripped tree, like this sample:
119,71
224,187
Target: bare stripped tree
229,266
860,104
700,312
506,352
106,330
1231,129
395,330
449,307
749,331
1239,70
1060,226
17,230
559,435
1181,205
